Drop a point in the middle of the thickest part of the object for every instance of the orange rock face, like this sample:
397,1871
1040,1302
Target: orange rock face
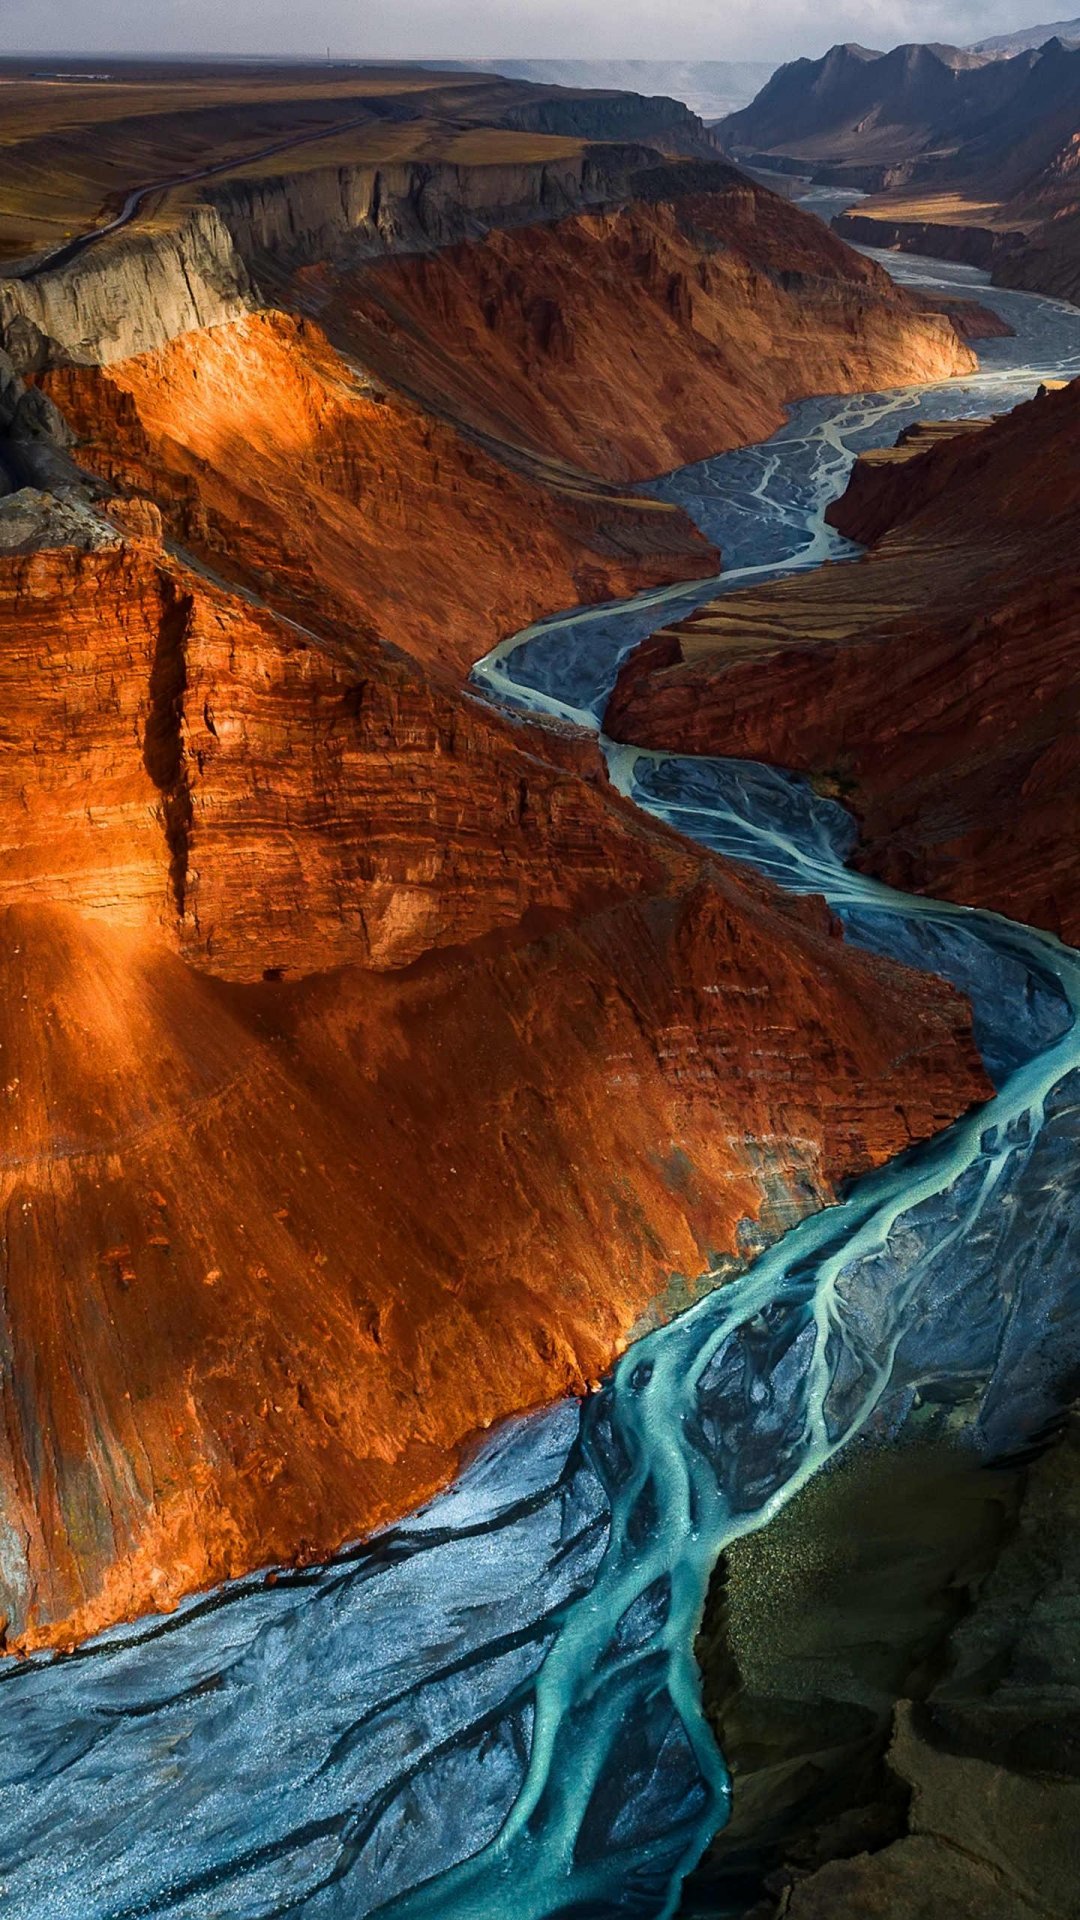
179,760
274,1249
275,462
635,341
371,1068
273,1253
937,679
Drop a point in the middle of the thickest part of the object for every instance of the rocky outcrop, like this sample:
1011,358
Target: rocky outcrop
989,1758
637,340
127,295
890,484
30,519
971,318
933,683
666,124
283,467
330,1001
1047,261
411,207
278,801
901,1713
139,288
986,1839
984,246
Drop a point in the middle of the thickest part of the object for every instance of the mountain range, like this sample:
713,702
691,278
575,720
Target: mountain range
965,155
1003,45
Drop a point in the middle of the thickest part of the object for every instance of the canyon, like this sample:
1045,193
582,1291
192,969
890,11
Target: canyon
537,1289
933,683
430,1005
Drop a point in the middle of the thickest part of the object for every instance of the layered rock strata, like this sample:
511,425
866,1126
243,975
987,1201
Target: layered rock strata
303,473
201,261
372,1069
284,467
639,339
934,682
260,1234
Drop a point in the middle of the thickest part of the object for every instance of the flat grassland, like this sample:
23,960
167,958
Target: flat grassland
75,140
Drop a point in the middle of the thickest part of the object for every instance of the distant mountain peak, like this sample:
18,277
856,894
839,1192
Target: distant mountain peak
1029,39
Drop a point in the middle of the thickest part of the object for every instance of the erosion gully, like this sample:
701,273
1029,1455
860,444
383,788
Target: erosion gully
492,1711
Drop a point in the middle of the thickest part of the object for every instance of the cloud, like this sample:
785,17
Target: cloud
662,29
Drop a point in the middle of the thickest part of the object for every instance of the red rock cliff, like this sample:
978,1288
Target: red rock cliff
280,465
636,340
371,1068
937,679
274,1250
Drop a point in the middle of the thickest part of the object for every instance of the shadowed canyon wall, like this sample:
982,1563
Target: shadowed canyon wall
935,682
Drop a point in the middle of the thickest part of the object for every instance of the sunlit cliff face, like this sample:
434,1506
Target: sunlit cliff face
349,1024
283,465
259,1232
262,1241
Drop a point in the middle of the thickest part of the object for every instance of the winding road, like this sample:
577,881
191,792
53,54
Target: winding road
69,250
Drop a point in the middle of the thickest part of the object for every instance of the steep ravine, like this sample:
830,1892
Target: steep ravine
637,338
308,863
360,1730
513,1664
396,961
934,682
453,390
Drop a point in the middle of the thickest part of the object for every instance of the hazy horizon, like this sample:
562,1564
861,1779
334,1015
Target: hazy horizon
767,30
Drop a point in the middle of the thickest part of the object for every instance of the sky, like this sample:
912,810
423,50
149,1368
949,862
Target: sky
772,30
